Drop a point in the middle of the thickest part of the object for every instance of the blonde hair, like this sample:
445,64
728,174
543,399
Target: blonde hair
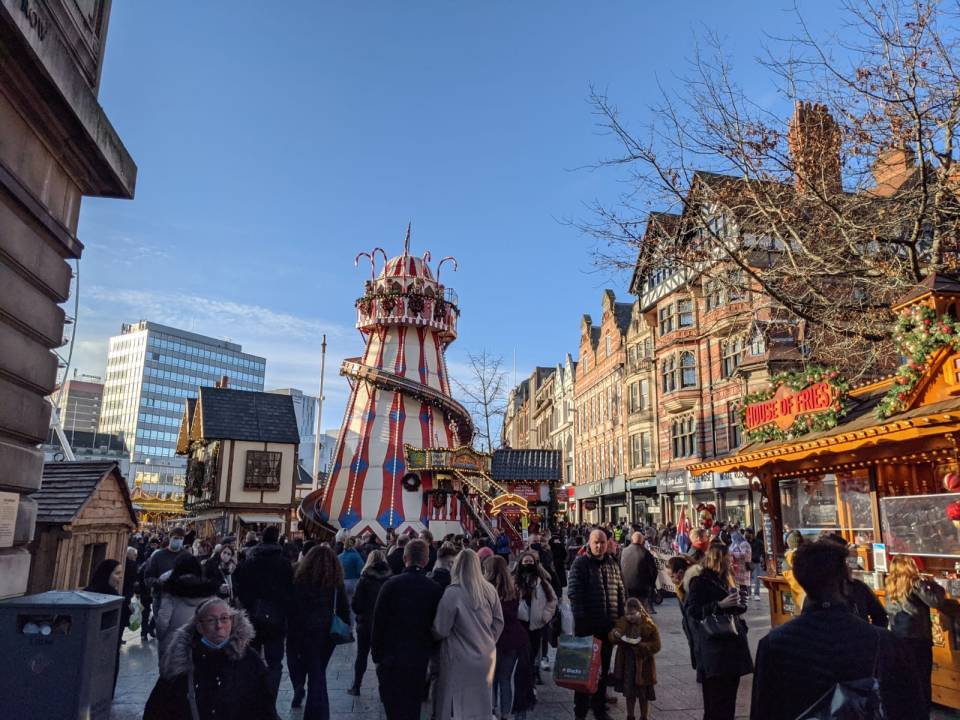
901,578
467,574
375,556
716,559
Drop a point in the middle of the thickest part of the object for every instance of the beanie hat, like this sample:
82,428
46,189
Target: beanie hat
484,552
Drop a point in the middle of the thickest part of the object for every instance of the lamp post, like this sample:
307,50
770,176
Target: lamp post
316,437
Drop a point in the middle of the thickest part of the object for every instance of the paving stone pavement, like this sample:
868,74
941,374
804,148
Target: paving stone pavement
678,695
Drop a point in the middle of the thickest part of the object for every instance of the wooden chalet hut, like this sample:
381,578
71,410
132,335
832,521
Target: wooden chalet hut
84,515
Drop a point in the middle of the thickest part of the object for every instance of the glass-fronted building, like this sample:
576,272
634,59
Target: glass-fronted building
151,370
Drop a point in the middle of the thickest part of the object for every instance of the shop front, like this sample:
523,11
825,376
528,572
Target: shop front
672,490
602,502
644,503
877,464
737,503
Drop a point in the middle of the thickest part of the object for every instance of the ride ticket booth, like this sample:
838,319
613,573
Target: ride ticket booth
878,463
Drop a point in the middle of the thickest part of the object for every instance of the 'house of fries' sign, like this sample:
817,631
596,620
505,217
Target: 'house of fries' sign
787,405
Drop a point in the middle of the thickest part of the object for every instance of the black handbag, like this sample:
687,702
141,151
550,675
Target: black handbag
719,625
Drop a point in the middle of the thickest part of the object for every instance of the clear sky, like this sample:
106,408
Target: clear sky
276,140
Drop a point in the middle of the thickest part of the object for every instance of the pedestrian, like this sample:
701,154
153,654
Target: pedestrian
538,603
220,568
128,589
502,546
757,556
723,657
799,661
318,594
639,569
181,592
637,640
107,579
264,584
427,537
858,595
468,623
559,553
597,597
395,555
741,558
401,641
909,601
441,568
677,566
794,541
352,562
210,671
162,560
375,573
512,691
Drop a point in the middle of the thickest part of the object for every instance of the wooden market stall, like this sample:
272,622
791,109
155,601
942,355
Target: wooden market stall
84,515
877,463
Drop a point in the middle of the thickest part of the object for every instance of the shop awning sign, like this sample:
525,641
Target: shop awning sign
787,405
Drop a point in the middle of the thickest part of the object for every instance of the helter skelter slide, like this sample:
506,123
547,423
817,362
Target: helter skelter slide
400,405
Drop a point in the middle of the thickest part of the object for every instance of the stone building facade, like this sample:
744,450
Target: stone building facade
562,435
600,420
640,399
519,429
56,146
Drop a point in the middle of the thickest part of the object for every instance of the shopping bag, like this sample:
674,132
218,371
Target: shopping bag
566,618
851,700
136,614
577,666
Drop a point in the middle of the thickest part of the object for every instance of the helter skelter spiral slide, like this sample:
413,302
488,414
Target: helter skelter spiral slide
400,401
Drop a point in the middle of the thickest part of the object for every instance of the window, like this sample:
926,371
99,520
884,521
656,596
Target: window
646,458
688,370
731,356
733,427
93,555
635,397
263,470
713,294
668,374
758,344
583,365
648,348
644,394
667,318
683,437
736,288
635,460
606,343
685,313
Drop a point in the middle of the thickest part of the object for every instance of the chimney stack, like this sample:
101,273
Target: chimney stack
814,141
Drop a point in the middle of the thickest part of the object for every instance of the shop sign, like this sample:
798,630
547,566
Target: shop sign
787,405
700,482
589,504
651,483
9,502
671,482
611,486
731,479
530,493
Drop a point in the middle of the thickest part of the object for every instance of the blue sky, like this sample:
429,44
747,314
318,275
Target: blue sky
276,140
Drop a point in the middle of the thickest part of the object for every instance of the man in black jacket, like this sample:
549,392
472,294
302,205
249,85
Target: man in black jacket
597,596
800,661
401,640
639,570
264,583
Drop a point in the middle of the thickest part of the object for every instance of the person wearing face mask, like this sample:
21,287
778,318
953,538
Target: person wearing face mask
219,568
163,560
210,671
538,603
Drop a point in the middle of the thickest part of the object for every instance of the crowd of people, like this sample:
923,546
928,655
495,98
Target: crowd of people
466,625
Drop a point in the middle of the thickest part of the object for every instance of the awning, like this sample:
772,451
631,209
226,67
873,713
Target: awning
251,518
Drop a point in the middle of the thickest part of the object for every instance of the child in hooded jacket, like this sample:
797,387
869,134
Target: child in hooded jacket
637,640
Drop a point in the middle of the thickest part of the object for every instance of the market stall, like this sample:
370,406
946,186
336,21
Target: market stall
876,463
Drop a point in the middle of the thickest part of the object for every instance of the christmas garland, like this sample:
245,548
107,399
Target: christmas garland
918,334
798,380
415,302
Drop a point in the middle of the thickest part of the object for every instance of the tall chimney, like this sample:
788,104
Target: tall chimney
814,141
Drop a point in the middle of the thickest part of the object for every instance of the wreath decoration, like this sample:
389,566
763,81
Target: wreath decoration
411,482
798,380
918,334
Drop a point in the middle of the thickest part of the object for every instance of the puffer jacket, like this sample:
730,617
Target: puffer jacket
910,619
229,683
596,592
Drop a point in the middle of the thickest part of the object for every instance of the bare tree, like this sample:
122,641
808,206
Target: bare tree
485,392
833,213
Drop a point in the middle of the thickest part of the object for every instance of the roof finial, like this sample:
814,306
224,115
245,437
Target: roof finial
406,240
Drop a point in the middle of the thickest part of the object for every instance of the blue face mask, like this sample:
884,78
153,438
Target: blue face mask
214,646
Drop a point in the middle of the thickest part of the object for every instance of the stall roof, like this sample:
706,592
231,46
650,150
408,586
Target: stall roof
68,486
525,465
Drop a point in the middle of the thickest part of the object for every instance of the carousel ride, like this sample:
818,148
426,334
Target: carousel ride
403,459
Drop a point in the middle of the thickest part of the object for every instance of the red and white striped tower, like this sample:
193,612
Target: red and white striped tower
400,395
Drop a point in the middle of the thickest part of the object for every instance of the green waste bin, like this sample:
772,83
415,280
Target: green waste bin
57,655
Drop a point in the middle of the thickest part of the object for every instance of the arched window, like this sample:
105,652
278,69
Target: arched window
688,370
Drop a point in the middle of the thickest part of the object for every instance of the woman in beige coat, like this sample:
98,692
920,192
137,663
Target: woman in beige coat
468,622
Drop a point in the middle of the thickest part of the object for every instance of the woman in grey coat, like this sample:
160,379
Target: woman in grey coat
468,622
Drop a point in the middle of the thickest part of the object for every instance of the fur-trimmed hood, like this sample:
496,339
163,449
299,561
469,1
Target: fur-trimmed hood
178,658
690,574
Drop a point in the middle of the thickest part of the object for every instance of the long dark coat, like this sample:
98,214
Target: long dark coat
716,656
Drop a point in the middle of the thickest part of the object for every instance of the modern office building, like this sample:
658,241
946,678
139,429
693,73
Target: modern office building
151,370
78,403
305,407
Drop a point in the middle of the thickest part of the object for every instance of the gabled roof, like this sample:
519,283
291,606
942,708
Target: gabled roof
68,486
227,414
525,465
622,313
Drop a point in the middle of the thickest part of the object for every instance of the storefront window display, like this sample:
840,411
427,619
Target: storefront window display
830,502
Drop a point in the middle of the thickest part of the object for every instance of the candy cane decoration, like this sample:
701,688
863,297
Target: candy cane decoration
373,268
442,261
